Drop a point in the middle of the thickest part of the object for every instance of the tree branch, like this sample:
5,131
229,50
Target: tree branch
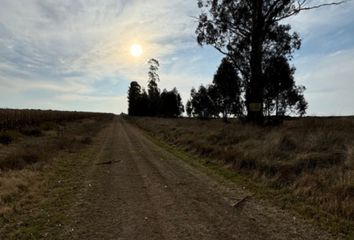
301,7
271,9
227,54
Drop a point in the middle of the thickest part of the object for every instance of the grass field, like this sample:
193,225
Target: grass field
28,151
312,159
305,165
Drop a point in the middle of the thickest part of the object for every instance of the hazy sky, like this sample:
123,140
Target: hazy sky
75,55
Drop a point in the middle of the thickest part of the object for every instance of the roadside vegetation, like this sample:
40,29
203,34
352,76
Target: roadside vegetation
17,118
308,162
27,153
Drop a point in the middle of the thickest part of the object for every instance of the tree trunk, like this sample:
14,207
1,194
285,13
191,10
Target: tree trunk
224,116
277,106
255,93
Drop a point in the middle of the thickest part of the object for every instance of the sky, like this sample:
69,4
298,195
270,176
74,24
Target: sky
75,54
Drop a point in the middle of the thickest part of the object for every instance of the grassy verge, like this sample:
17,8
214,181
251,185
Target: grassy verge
50,217
46,190
281,196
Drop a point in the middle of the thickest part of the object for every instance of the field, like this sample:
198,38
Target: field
308,161
30,143
101,176
13,118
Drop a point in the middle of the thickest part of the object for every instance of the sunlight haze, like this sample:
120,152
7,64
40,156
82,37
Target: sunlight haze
79,55
136,50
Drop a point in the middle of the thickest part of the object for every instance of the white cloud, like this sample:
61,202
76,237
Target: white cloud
78,51
322,19
324,63
67,46
329,79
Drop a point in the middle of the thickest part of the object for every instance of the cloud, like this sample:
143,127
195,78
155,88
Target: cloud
329,79
78,47
75,54
326,28
323,63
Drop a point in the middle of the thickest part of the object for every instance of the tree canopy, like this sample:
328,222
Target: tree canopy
228,88
153,102
250,33
281,95
225,95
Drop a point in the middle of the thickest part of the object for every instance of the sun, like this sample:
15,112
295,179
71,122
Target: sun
136,50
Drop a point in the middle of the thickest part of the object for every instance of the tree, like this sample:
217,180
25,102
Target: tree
143,104
189,108
133,98
171,103
213,101
152,103
153,90
281,95
202,104
301,105
249,32
179,108
228,86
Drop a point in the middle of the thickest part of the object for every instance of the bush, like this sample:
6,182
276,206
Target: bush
5,138
31,131
86,140
49,126
19,160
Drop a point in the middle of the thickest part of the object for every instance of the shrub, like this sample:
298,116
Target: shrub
5,138
31,131
19,160
86,140
49,126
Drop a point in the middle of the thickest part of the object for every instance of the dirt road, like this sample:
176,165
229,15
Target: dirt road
137,190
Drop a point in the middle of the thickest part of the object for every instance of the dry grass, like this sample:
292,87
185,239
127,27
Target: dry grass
311,157
19,159
5,138
32,150
12,183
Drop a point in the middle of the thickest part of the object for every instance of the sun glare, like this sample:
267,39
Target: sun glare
136,50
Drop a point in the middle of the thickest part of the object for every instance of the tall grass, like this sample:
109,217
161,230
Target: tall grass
311,157
13,118
35,148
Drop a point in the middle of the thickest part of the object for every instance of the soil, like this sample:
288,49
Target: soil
138,190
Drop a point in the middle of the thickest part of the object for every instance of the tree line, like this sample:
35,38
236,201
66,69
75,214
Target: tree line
226,95
153,102
255,78
255,40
